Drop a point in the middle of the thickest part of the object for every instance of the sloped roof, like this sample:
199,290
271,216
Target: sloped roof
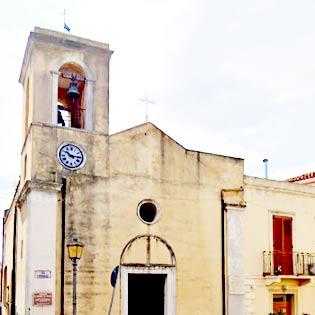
301,177
149,125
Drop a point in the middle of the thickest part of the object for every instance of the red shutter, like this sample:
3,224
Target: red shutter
277,233
282,245
287,235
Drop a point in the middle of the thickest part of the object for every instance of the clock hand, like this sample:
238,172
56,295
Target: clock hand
71,155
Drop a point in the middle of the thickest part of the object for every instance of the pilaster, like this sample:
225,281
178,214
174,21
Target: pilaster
235,259
39,202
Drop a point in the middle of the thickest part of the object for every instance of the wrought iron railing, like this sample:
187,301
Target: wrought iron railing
285,263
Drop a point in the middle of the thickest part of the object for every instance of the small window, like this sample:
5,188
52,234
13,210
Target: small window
149,211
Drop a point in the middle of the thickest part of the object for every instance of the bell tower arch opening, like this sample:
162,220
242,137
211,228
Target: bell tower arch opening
71,96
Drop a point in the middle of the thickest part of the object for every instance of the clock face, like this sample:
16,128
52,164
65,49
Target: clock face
71,156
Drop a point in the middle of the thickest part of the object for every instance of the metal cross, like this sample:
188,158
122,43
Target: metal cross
147,102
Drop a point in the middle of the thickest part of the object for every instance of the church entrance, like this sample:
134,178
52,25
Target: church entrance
146,294
148,277
148,290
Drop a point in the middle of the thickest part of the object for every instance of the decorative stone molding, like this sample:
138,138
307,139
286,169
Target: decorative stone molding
36,185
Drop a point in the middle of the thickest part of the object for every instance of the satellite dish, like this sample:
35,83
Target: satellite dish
113,276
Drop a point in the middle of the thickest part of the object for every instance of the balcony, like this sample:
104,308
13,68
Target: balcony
288,264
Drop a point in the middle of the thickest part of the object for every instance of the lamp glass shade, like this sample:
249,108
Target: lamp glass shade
75,250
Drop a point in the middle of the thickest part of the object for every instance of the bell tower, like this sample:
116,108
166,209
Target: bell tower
66,87
59,79
65,80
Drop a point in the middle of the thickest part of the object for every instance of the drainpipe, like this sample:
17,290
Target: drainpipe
13,276
63,234
1,290
223,276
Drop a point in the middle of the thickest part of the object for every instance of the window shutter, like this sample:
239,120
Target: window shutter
287,235
277,233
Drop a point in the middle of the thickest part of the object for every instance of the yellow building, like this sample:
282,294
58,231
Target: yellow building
189,232
279,224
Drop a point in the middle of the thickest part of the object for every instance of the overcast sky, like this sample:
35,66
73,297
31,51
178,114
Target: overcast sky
228,77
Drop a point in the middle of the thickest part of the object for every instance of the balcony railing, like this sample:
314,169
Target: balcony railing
286,263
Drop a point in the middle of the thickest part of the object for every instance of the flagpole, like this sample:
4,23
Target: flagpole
65,26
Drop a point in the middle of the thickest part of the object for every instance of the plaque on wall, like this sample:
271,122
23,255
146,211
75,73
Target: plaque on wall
42,298
42,274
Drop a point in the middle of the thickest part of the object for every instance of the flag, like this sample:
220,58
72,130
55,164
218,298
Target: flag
65,26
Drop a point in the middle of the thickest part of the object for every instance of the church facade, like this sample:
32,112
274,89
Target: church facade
187,232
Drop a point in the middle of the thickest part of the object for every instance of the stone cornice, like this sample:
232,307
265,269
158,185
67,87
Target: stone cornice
36,185
237,206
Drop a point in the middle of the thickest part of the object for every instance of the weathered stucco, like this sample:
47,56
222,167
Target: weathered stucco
146,163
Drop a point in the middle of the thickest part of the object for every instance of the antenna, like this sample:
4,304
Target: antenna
266,167
147,102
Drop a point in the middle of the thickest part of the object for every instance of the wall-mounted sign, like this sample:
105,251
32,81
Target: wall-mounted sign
42,298
42,274
114,275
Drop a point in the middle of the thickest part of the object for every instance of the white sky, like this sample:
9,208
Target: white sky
228,77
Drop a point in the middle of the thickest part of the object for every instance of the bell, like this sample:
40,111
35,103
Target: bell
73,91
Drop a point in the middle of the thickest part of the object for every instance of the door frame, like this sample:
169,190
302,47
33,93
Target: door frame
288,214
283,255
293,302
170,285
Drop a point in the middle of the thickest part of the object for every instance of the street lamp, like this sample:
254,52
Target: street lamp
75,250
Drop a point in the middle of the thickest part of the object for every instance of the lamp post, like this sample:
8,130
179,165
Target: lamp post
75,250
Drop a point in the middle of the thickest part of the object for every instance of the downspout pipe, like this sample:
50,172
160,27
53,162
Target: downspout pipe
63,234
1,286
223,275
13,276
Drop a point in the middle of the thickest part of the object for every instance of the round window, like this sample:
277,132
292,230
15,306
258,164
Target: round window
148,211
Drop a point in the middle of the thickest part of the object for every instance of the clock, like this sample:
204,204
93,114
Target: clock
71,156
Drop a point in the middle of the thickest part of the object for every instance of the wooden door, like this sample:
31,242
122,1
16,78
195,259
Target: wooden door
283,303
282,245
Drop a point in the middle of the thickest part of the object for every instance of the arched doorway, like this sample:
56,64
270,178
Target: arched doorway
148,277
